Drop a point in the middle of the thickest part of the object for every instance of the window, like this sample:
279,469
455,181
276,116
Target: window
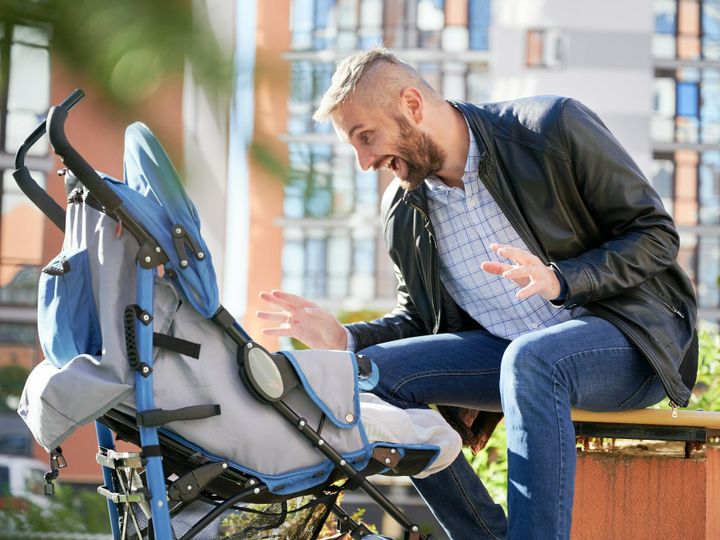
25,91
544,48
711,29
325,182
708,272
308,82
709,188
329,262
686,29
479,24
665,12
662,178
710,106
686,105
663,120
430,23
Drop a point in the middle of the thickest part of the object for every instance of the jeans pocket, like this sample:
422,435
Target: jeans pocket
67,317
648,393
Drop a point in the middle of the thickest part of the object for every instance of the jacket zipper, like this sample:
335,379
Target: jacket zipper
673,309
637,342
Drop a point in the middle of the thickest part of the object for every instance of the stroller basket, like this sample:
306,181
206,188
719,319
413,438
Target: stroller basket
235,441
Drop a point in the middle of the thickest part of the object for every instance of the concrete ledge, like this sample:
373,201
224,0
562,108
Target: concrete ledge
647,491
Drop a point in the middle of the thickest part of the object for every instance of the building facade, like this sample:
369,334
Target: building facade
685,135
652,75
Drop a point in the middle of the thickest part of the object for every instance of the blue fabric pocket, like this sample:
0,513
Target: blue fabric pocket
67,317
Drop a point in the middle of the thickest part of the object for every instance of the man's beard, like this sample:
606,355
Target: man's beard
420,153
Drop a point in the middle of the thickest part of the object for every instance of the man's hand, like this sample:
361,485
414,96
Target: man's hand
304,320
528,271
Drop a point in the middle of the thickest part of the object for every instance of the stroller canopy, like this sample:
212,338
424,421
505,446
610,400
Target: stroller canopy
153,180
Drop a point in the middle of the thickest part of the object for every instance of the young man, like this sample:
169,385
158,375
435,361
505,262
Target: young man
536,272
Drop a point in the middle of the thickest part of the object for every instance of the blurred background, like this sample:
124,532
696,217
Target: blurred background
229,87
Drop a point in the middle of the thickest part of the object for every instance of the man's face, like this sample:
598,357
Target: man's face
389,141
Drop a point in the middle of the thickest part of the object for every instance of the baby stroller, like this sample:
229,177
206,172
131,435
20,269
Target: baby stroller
236,441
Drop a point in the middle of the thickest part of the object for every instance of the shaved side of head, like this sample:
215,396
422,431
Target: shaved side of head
374,79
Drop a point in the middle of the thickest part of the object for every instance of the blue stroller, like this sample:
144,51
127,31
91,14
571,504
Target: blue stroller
236,441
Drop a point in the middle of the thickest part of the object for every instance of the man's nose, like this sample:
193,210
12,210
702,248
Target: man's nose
365,159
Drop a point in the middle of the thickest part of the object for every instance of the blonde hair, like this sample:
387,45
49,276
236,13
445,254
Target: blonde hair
375,78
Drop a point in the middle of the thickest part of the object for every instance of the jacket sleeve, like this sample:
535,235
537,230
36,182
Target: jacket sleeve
641,238
401,322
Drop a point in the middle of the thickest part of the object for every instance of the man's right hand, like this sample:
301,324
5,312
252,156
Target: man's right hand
303,320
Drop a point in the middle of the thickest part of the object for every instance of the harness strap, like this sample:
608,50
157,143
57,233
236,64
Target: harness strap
180,346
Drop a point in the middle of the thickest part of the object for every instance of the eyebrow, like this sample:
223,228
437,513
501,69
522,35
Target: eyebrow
352,130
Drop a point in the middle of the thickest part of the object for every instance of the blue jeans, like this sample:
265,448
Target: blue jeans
536,379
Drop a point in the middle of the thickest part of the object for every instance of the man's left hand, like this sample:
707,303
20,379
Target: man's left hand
528,271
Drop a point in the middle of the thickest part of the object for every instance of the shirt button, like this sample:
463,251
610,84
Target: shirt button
472,202
534,325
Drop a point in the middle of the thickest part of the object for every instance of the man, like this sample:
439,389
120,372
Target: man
536,272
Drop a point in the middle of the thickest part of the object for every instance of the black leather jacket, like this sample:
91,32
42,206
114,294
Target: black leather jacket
578,201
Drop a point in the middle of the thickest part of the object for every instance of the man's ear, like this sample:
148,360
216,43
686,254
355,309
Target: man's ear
412,103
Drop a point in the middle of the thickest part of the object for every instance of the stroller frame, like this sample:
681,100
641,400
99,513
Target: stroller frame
149,419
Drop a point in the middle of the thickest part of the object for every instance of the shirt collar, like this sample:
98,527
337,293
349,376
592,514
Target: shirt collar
434,185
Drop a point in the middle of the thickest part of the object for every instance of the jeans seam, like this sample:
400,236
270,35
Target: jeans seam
415,376
560,517
469,504
579,354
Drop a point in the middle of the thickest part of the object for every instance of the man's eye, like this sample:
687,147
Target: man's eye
365,138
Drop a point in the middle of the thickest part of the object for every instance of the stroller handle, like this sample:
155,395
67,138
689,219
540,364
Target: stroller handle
24,179
76,163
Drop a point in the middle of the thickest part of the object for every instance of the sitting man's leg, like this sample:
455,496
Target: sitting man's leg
585,363
448,369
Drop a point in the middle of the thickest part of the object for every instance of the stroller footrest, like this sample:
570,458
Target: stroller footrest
160,417
121,498
112,459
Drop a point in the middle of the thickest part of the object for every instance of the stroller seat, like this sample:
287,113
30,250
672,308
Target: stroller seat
155,359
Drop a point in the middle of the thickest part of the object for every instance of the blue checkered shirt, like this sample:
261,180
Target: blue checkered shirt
466,223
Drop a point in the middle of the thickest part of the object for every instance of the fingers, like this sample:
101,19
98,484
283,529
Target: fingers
494,267
534,287
518,255
284,330
520,272
285,300
292,299
274,316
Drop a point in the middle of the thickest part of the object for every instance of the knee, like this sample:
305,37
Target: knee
525,363
387,382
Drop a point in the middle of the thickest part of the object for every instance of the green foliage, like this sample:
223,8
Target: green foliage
491,465
294,526
359,315
12,380
69,510
706,394
127,48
